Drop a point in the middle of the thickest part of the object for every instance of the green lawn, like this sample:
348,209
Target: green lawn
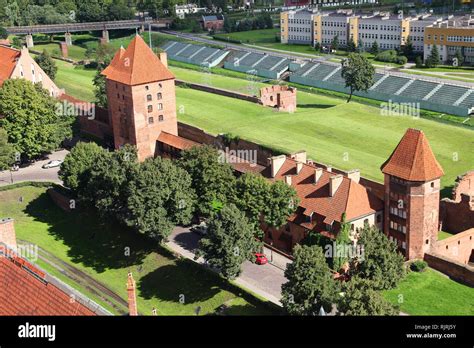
332,131
431,293
76,80
443,235
98,248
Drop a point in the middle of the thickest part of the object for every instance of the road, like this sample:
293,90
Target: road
303,56
34,172
264,280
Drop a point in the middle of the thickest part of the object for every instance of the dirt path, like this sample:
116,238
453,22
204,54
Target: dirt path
84,280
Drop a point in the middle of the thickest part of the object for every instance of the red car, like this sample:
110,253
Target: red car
260,259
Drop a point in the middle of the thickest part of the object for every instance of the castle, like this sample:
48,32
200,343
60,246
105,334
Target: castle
142,112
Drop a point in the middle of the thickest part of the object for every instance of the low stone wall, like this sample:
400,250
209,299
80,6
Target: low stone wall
219,91
455,270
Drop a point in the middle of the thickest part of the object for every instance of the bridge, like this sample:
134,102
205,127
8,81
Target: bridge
69,28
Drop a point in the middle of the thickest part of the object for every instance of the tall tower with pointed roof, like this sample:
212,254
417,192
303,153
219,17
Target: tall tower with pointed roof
412,187
141,98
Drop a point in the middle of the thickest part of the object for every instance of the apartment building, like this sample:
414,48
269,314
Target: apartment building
297,26
454,34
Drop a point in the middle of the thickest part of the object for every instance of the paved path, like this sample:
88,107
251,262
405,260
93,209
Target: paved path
264,280
34,172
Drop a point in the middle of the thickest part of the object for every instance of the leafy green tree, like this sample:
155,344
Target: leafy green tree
75,170
3,33
159,196
212,178
108,181
317,47
342,239
408,50
99,82
360,47
90,11
335,42
7,152
310,283
351,46
12,12
31,119
282,202
46,63
381,263
358,73
229,241
375,48
433,59
418,62
360,299
119,10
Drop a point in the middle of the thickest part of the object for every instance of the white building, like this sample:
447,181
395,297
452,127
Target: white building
183,10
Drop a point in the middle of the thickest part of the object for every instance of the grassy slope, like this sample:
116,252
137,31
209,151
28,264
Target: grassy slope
431,293
344,135
76,80
98,249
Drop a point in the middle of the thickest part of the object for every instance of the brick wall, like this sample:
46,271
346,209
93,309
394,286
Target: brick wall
458,247
219,91
457,216
7,233
464,184
60,199
455,270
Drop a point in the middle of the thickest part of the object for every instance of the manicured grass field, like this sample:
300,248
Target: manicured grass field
443,235
98,248
432,293
345,135
76,80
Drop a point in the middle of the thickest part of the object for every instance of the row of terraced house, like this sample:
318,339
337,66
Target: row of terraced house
449,34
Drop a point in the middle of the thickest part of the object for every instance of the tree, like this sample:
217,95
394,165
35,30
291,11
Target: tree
159,196
360,47
90,11
99,85
351,46
335,42
458,58
408,49
310,283
381,263
118,10
46,63
212,178
360,299
282,202
7,152
418,62
3,33
106,188
229,241
358,73
31,119
375,48
342,239
433,59
317,47
75,170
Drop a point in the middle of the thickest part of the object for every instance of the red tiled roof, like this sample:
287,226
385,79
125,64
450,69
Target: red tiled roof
25,291
136,65
351,197
175,141
8,60
413,159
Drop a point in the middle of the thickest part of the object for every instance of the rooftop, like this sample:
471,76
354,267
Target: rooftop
8,60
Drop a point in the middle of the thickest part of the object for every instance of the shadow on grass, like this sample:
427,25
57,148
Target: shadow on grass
315,106
92,242
447,192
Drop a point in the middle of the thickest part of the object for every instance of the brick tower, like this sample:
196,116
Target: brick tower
141,97
412,185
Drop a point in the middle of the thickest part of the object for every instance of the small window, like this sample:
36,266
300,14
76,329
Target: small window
118,96
150,120
432,184
427,241
160,118
150,108
123,96
160,86
159,96
379,218
160,106
147,88
148,97
116,85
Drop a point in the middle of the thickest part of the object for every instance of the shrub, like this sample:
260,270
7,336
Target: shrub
391,56
418,265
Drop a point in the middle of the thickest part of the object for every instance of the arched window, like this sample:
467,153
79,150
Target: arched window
160,118
150,108
160,106
159,96
148,97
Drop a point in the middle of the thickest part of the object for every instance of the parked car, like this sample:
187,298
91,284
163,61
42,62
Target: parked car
200,229
52,164
260,259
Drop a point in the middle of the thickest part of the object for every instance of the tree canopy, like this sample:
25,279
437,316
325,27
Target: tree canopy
358,73
7,152
46,63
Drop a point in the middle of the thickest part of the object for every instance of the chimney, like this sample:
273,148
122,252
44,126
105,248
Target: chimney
318,172
164,58
334,183
288,180
276,162
7,233
132,296
354,175
299,156
299,166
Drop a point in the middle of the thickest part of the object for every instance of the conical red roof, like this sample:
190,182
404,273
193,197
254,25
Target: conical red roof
413,159
136,65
